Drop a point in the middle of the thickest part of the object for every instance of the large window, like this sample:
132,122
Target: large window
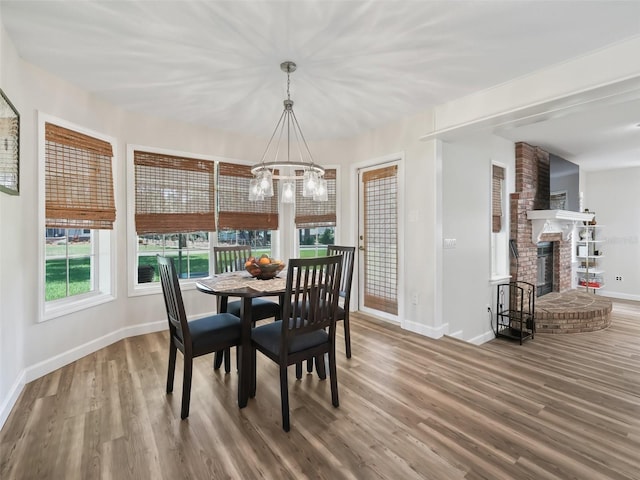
184,206
316,221
174,213
79,212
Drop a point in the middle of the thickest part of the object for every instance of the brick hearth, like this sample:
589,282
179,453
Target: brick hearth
572,312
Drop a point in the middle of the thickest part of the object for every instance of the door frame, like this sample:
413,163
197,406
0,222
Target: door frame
354,199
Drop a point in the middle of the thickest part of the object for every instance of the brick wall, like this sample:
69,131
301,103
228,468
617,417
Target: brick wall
532,193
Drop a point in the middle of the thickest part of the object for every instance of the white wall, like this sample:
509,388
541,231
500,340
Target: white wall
467,219
613,196
418,251
14,291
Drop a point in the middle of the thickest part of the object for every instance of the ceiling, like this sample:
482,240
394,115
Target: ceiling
361,64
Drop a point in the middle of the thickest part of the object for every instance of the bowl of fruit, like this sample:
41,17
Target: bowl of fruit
264,267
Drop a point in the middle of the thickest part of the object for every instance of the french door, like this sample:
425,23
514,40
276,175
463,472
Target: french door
378,240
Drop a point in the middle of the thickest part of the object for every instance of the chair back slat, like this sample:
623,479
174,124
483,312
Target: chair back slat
311,296
348,260
230,258
178,325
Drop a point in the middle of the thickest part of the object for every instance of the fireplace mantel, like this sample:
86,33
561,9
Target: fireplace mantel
555,221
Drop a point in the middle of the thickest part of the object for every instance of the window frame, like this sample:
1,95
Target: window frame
152,288
105,245
499,241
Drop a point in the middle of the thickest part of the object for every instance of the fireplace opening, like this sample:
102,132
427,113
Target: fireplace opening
544,282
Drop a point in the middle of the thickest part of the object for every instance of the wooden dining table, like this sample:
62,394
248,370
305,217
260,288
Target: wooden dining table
245,287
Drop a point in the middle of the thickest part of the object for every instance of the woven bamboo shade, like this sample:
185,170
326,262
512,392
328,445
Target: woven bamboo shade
174,194
497,176
311,214
380,189
78,180
235,211
9,149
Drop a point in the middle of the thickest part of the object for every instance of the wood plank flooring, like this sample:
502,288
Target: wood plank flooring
557,407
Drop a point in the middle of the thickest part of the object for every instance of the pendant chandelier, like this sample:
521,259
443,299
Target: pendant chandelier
291,159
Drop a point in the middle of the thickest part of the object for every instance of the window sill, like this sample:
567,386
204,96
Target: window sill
154,288
496,279
67,306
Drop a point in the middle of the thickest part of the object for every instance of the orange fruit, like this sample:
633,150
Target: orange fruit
264,261
248,263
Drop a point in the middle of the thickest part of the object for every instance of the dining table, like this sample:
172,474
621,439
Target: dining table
246,288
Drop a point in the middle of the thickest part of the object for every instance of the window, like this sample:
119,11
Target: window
316,221
497,180
190,252
499,232
79,212
174,213
69,255
258,240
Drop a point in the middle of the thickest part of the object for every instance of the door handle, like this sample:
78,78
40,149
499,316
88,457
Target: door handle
361,248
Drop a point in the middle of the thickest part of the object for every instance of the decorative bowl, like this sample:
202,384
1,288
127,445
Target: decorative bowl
264,271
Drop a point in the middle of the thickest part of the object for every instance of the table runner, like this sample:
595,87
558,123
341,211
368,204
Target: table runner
225,282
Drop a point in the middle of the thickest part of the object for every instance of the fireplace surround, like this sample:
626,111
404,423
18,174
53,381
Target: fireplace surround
531,223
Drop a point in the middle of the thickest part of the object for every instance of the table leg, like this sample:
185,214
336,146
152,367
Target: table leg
244,366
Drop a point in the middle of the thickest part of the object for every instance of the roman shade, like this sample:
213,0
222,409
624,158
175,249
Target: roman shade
311,213
497,176
78,180
235,212
174,194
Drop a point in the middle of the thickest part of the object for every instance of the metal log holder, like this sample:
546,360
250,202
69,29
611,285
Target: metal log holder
515,317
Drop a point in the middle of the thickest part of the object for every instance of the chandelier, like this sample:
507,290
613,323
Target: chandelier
291,159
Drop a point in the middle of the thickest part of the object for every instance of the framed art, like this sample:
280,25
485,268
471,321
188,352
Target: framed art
9,147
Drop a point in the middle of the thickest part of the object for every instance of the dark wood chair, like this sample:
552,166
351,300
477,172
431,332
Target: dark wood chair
348,260
308,328
348,257
232,259
193,338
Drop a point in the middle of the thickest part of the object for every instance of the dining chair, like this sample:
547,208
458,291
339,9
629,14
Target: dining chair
193,338
308,328
232,259
348,257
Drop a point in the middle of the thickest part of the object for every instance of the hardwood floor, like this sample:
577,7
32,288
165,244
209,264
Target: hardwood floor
560,406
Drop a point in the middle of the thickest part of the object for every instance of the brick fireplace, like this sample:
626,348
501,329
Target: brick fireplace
562,310
532,193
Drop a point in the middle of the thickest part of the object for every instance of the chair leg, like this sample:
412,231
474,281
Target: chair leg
217,359
252,390
284,396
310,365
299,369
320,367
227,360
186,387
334,378
347,335
172,366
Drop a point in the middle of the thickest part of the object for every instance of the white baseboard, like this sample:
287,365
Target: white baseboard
621,296
426,330
40,369
47,366
483,338
12,398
